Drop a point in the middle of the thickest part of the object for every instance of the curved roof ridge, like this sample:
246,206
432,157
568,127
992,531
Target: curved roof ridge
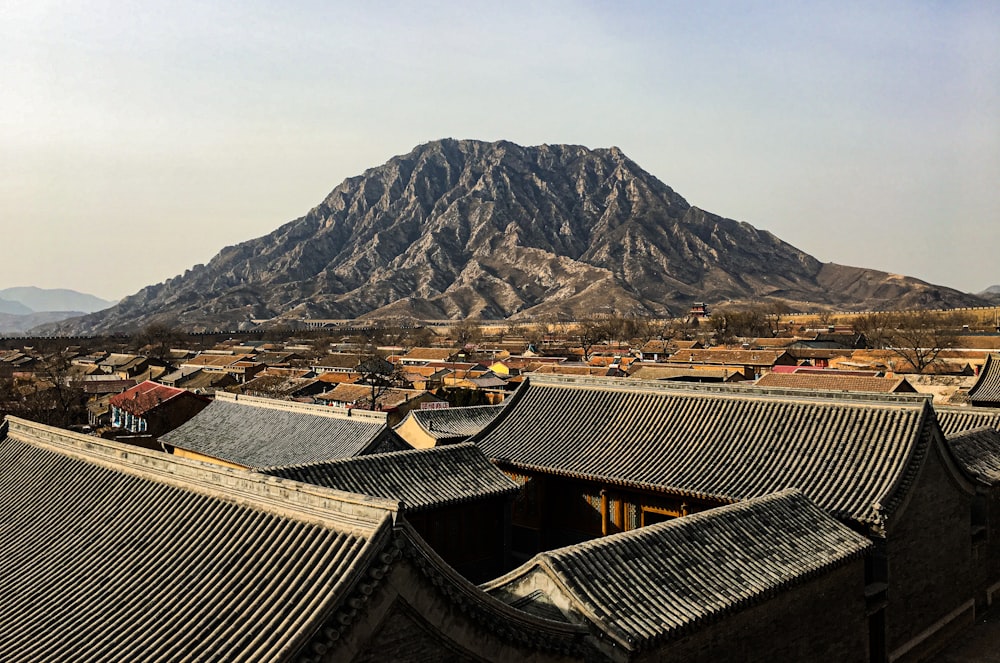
729,389
306,408
283,497
419,478
719,445
773,541
978,453
987,386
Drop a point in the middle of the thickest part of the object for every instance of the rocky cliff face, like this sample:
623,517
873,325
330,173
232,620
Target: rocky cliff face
467,228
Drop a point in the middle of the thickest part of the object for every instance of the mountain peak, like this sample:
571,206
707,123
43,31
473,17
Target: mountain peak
460,228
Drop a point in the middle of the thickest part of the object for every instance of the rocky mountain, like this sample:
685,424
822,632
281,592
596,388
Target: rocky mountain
468,228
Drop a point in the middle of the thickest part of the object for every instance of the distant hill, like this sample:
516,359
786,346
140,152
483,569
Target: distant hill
991,294
464,228
38,300
20,324
8,307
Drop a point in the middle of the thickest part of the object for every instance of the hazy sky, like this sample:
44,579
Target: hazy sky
139,138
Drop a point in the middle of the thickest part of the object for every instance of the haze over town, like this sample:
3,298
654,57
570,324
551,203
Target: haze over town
136,143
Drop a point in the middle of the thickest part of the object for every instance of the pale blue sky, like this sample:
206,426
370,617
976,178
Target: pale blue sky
137,139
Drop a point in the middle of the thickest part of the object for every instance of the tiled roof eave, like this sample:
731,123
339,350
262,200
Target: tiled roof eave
617,481
463,499
870,517
606,623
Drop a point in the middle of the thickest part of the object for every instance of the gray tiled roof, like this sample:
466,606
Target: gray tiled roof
420,479
262,432
987,387
113,553
954,420
454,422
660,581
847,452
978,451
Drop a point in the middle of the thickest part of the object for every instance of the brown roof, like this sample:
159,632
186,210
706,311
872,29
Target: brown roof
732,357
430,354
147,396
830,381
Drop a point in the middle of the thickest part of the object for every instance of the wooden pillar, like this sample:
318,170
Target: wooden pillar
604,513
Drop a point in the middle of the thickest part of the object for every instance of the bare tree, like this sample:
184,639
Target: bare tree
876,327
919,337
466,331
590,332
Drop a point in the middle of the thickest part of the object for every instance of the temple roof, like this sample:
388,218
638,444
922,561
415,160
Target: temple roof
660,581
850,453
978,452
420,479
453,422
263,432
954,420
986,390
114,553
832,382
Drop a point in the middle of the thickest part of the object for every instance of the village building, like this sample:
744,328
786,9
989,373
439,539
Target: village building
241,367
793,590
198,380
286,384
754,363
256,433
149,410
214,563
836,381
336,362
659,350
125,366
675,373
454,497
595,457
423,356
435,427
392,401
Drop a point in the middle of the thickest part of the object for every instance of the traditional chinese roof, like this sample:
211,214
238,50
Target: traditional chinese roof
113,553
954,420
832,381
98,387
691,373
216,361
978,452
731,357
850,453
262,432
663,581
339,360
986,391
420,479
117,360
147,396
454,422
429,354
362,393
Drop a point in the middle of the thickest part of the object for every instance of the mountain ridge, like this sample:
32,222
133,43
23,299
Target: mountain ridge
462,228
